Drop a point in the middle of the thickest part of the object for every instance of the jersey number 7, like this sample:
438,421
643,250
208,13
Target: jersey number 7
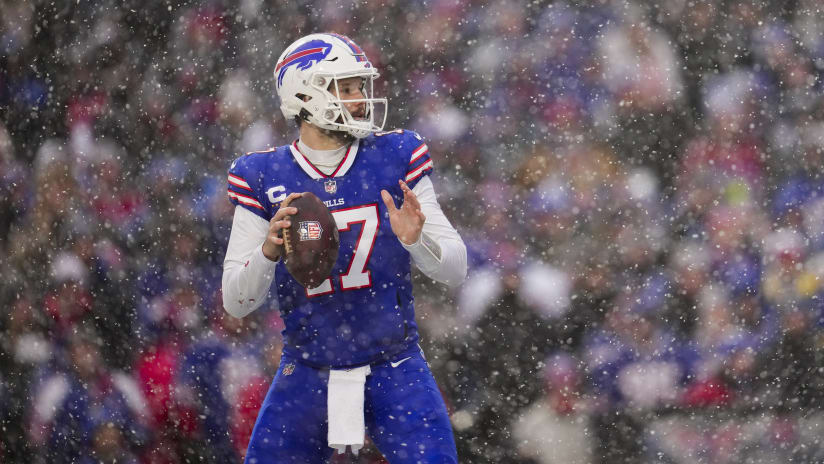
357,275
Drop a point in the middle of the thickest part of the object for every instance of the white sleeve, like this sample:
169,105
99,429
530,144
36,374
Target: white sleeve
247,273
439,253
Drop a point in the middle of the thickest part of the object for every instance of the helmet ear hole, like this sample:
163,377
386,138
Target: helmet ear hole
303,96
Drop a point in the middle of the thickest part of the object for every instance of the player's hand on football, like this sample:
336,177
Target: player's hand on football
407,222
273,246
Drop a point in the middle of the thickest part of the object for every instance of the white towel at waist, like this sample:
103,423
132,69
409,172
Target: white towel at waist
344,401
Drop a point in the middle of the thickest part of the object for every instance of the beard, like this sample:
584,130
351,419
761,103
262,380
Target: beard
340,136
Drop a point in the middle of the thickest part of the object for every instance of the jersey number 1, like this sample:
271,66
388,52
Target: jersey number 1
357,275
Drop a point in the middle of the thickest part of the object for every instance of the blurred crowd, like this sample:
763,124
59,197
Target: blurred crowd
639,188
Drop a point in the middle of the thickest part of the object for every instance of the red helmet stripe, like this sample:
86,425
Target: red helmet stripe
351,43
295,56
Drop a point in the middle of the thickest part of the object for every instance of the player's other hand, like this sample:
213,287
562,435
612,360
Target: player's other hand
407,222
273,246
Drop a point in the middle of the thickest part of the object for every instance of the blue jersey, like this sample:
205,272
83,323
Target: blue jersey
364,312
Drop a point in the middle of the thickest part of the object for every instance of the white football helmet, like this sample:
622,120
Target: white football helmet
311,66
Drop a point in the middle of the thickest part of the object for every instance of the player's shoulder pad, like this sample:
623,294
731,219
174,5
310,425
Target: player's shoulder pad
413,154
247,174
246,179
252,162
402,141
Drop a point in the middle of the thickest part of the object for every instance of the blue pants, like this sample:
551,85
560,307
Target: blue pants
404,411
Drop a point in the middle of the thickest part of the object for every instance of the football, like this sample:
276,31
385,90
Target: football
311,243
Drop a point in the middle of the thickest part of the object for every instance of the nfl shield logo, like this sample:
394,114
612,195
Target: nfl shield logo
288,369
309,230
330,186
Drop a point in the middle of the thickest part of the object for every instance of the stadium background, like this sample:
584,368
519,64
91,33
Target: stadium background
638,186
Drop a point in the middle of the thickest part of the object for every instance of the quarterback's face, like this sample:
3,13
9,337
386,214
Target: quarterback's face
351,88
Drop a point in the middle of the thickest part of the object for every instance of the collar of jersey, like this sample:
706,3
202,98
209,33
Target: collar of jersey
315,173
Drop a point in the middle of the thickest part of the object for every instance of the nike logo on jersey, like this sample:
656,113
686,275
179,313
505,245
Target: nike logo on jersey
396,364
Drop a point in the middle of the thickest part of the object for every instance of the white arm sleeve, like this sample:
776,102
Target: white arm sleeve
247,273
439,253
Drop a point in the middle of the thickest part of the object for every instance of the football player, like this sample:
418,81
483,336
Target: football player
351,361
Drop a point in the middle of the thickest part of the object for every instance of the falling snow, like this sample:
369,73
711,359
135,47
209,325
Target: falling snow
639,186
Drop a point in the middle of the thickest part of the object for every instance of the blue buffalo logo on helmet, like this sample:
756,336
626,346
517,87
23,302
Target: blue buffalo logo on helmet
303,57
